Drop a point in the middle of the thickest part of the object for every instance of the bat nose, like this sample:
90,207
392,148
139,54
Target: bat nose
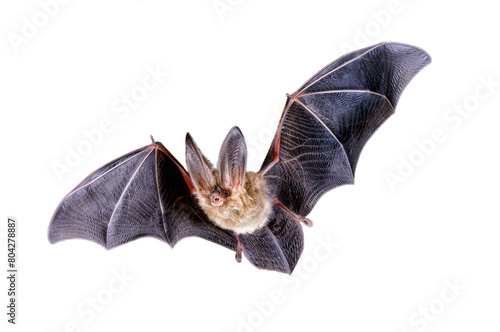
216,201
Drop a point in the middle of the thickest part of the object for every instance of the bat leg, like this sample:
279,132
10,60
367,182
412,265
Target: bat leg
305,221
239,249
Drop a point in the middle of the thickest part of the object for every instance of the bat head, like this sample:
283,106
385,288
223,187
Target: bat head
225,182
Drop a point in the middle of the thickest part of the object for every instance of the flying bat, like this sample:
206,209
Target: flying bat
322,130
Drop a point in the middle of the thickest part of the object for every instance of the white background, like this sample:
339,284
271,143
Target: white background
397,248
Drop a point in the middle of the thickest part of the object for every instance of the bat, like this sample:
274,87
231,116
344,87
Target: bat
323,128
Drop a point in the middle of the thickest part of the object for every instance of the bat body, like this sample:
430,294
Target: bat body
321,133
231,198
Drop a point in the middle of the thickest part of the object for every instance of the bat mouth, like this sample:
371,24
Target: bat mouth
216,201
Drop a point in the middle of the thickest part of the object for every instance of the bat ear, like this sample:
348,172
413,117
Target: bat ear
199,168
232,161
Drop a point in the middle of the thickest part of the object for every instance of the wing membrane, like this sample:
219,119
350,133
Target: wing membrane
277,246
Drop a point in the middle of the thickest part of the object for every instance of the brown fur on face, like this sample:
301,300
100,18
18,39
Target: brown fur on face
243,211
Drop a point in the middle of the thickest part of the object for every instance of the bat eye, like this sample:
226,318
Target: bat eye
226,193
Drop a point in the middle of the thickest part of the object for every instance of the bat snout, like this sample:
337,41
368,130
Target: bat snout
216,200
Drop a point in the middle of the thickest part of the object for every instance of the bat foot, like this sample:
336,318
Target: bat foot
239,249
307,222
238,255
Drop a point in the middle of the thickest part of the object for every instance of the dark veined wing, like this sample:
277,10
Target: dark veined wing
328,120
146,192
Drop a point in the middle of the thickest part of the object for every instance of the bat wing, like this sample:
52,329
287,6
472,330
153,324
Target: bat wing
328,120
146,192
